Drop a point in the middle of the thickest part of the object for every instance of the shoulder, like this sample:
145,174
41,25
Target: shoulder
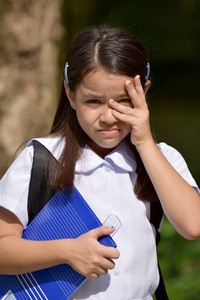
169,152
178,162
22,163
14,185
173,156
54,144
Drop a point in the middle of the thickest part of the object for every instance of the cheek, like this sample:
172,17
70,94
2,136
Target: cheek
87,115
85,119
127,127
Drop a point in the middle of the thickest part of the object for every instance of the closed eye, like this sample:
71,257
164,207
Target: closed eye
93,101
126,100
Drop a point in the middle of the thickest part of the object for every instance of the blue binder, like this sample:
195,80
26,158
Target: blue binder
66,215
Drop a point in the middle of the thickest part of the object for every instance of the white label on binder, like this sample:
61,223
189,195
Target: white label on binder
113,220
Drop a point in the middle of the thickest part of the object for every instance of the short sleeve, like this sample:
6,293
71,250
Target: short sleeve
14,185
178,163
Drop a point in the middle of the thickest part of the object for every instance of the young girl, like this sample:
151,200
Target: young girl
101,136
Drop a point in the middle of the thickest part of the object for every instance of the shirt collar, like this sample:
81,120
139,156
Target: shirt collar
119,157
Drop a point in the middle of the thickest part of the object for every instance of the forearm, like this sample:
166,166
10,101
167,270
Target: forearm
84,254
22,256
180,201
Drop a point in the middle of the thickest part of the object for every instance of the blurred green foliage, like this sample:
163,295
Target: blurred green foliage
170,31
180,264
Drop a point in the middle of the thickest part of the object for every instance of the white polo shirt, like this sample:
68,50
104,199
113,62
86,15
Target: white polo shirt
107,185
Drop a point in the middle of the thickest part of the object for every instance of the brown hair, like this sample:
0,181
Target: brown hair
119,52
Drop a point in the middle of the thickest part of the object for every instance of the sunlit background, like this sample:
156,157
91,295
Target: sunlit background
34,36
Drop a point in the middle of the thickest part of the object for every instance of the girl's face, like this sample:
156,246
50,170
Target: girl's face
94,114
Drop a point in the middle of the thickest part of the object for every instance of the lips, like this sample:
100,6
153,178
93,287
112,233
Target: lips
109,131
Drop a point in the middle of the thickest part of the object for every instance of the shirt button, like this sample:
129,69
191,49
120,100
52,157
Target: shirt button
116,272
107,168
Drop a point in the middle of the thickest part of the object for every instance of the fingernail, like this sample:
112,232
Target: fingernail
128,82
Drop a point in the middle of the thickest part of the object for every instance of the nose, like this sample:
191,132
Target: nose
106,115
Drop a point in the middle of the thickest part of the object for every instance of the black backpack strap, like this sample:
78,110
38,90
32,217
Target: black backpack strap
156,214
40,188
156,218
161,293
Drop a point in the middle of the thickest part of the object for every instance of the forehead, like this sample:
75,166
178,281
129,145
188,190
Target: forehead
102,83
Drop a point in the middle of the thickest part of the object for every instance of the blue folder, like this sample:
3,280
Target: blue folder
66,215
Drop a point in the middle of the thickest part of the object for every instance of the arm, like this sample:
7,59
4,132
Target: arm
85,254
180,201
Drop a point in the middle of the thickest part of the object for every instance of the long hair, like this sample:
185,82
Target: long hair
119,52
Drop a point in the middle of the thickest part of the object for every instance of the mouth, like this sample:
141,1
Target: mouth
109,131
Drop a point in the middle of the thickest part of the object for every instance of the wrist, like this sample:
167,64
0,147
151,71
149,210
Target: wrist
65,250
145,147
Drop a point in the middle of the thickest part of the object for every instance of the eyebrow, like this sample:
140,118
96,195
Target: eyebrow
95,96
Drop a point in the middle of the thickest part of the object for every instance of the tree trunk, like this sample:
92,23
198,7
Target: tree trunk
30,34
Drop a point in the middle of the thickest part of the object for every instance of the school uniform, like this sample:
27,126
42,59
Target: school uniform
107,186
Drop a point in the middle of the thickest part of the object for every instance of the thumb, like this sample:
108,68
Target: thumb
102,230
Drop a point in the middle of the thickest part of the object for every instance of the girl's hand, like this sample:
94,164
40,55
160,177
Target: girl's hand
136,114
88,257
85,254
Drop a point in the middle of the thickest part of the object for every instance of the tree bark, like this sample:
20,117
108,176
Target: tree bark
30,34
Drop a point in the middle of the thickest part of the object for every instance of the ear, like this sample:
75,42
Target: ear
147,86
70,95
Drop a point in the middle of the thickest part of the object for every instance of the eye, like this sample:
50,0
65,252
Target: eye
126,100
93,101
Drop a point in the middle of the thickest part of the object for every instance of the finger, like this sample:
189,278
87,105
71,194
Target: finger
126,110
111,253
98,273
93,276
129,119
102,230
108,264
102,271
137,84
136,93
